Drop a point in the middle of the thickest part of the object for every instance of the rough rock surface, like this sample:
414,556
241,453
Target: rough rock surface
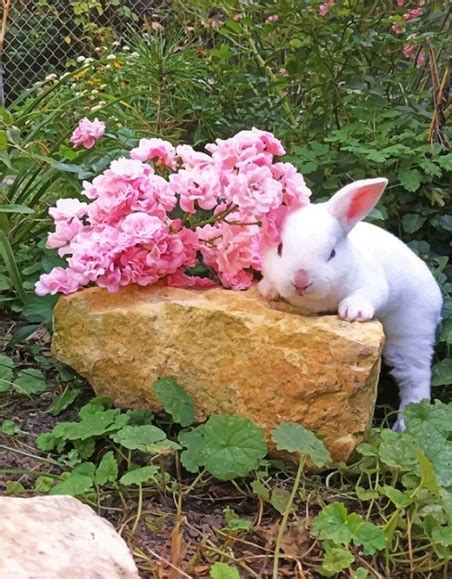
59,537
233,351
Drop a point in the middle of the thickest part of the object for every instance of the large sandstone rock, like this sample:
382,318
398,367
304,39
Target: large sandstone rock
58,537
233,351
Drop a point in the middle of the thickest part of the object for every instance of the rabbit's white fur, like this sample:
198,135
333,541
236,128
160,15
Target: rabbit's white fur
372,273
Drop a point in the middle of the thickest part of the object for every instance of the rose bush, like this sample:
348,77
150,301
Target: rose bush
166,209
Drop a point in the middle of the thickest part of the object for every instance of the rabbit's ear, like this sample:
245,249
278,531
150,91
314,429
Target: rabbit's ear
353,202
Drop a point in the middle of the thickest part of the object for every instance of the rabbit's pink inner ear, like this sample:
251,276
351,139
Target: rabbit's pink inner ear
353,202
363,201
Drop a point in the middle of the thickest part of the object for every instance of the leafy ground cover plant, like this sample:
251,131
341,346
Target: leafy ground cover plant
387,513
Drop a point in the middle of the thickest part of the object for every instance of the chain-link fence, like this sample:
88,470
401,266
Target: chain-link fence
43,34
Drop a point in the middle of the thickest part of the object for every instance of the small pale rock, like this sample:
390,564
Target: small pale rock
234,352
58,537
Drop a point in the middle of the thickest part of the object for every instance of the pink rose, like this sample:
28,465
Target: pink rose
150,149
412,14
326,7
180,279
59,280
409,50
87,133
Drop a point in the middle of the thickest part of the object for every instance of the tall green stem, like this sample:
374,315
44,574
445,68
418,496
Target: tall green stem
285,518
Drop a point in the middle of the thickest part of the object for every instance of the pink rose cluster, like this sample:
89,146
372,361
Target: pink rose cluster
87,133
165,209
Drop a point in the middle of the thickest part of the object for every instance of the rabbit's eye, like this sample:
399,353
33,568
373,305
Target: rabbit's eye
280,249
332,254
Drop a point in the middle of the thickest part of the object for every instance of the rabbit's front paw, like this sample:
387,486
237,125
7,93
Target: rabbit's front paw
267,290
356,308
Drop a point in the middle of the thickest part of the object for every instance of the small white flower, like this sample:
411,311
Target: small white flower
116,43
135,54
101,103
108,67
97,49
51,77
95,108
80,58
111,57
89,60
94,91
126,48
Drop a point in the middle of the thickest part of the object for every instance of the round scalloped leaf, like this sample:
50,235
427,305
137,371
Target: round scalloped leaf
176,401
233,446
139,476
139,437
293,437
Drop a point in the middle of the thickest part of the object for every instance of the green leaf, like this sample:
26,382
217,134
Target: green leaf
11,208
332,524
44,483
428,476
223,571
93,425
14,488
279,499
293,437
442,373
445,161
79,481
400,499
107,471
6,118
3,141
260,490
365,533
13,271
360,573
176,401
95,406
6,373
63,401
85,448
10,428
410,179
411,222
398,450
336,560
140,417
39,309
234,446
445,333
446,222
431,426
46,441
192,458
30,381
235,522
4,284
442,535
139,476
138,437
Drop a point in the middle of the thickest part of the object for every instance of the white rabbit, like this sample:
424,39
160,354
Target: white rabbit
330,262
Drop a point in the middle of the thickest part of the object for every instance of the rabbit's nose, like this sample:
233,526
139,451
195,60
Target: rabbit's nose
301,279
